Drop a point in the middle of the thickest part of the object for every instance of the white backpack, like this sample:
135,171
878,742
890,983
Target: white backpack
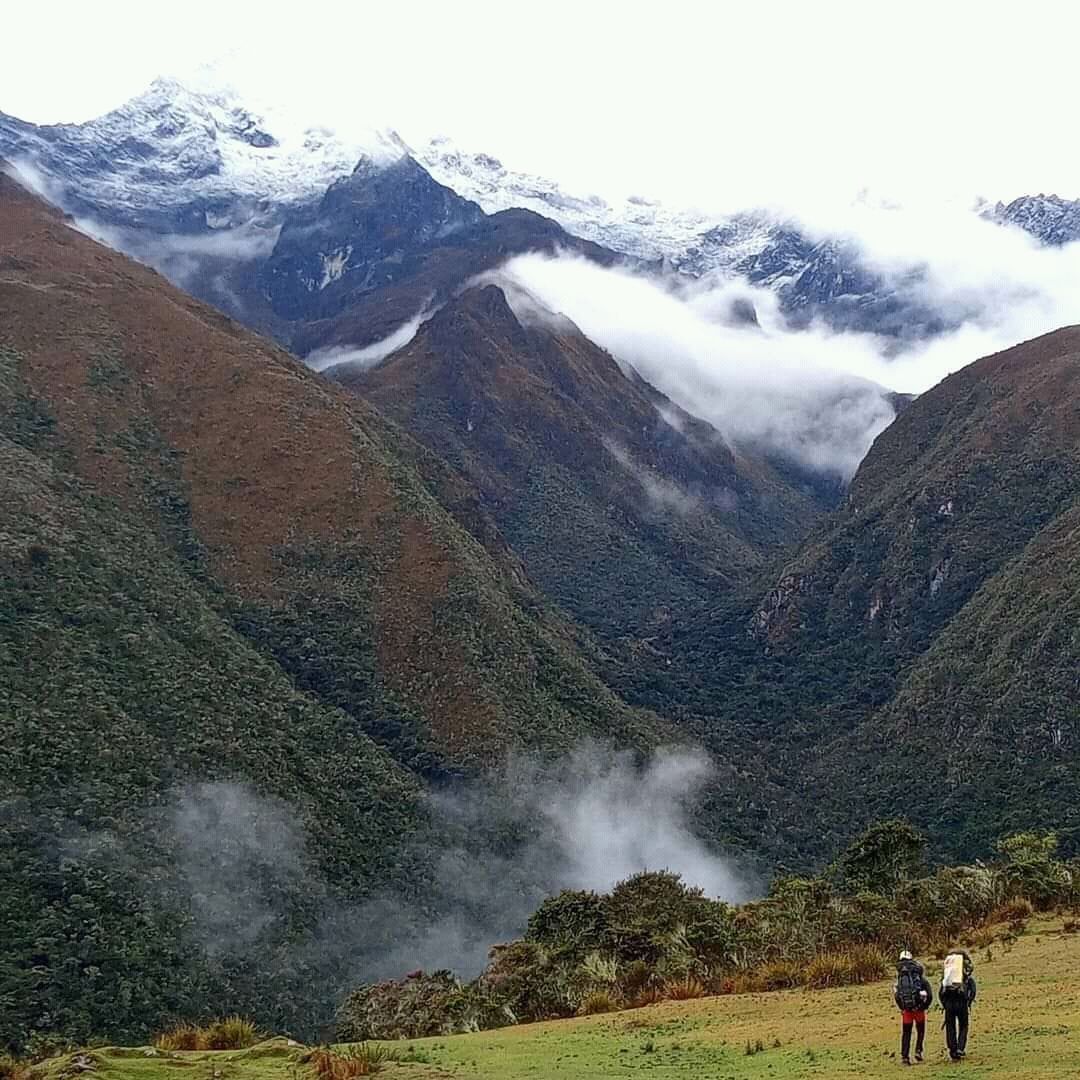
952,978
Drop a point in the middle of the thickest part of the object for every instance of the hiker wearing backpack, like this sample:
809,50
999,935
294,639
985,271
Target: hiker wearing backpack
913,997
957,994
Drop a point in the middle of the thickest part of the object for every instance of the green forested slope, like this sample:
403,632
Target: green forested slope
623,508
237,627
123,683
920,654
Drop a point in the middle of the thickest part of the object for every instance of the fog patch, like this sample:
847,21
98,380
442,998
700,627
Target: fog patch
527,307
662,494
240,863
760,384
184,258
611,818
344,356
587,821
238,855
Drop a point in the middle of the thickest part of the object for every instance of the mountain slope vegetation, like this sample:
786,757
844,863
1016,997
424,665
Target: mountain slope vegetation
297,500
623,508
921,644
231,598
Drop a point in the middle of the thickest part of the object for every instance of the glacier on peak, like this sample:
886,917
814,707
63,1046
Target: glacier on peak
636,226
175,146
199,161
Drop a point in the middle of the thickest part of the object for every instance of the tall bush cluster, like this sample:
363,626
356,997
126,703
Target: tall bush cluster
653,937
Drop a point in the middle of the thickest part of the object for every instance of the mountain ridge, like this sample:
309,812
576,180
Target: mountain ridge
584,466
199,163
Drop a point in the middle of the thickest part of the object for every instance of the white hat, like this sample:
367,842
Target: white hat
905,955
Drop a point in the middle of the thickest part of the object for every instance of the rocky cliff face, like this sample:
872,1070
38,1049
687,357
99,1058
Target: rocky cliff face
1050,219
368,231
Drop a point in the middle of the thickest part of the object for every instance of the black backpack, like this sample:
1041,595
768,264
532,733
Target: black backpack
908,985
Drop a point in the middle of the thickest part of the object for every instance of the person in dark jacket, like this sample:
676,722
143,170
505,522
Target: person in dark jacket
957,1002
913,997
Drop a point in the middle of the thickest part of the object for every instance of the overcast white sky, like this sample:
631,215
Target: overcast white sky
715,104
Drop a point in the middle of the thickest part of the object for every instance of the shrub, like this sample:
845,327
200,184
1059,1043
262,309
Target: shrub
828,969
980,939
651,995
1015,912
744,982
573,920
858,964
635,977
228,1033
867,964
684,989
181,1036
599,1001
364,1059
601,970
937,947
657,901
421,1005
878,861
529,981
715,936
13,1069
779,975
1032,869
231,1033
41,1046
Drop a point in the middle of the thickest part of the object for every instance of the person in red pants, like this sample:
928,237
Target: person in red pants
913,997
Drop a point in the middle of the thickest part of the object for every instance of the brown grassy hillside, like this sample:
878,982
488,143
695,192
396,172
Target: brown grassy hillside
290,494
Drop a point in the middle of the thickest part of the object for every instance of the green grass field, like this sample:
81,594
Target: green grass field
1024,1026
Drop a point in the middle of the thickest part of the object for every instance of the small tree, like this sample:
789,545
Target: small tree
1032,868
879,861
573,921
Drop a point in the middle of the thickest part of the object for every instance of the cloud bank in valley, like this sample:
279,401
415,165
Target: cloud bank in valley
761,385
816,396
370,355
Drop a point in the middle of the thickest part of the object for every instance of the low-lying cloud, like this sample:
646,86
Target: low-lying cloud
182,257
586,821
241,863
760,385
370,355
816,396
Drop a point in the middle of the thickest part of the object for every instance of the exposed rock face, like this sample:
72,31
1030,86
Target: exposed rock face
1050,219
366,232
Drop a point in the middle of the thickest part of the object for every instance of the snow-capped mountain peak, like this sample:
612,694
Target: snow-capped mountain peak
181,146
635,226
1049,218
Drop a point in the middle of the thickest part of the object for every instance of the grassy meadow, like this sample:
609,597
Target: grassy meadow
1024,1027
